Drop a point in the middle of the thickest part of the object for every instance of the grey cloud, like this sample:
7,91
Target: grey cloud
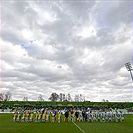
12,36
114,14
120,14
116,57
57,59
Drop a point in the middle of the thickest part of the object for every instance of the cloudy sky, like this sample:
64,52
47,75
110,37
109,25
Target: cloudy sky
76,47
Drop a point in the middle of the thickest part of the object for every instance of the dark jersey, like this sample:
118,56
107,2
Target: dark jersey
77,114
66,114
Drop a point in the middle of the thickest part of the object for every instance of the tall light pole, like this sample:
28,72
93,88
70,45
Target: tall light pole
129,68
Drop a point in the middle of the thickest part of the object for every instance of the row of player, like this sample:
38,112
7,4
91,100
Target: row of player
71,115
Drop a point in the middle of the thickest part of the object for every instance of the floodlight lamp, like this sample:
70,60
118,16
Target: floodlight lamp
128,66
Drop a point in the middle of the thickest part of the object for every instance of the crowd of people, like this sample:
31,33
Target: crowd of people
65,115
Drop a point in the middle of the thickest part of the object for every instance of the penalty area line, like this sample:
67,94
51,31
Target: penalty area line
78,127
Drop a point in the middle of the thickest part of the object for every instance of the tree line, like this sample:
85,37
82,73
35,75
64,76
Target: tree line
66,97
53,97
5,96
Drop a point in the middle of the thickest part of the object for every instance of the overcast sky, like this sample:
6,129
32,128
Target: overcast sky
76,47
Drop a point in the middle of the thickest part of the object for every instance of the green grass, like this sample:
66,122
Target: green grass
7,126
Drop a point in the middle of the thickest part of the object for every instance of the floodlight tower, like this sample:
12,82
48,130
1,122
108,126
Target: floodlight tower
129,68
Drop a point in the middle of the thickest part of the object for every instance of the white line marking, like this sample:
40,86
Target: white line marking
78,127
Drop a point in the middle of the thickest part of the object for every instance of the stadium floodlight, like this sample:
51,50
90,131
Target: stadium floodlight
129,68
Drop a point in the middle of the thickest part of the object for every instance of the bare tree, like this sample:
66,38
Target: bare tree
103,100
77,98
61,97
69,99
1,97
81,97
7,96
40,98
54,97
25,99
64,97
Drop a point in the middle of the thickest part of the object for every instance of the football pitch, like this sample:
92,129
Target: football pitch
7,126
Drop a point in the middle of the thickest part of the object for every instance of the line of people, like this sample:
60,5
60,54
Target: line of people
67,115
